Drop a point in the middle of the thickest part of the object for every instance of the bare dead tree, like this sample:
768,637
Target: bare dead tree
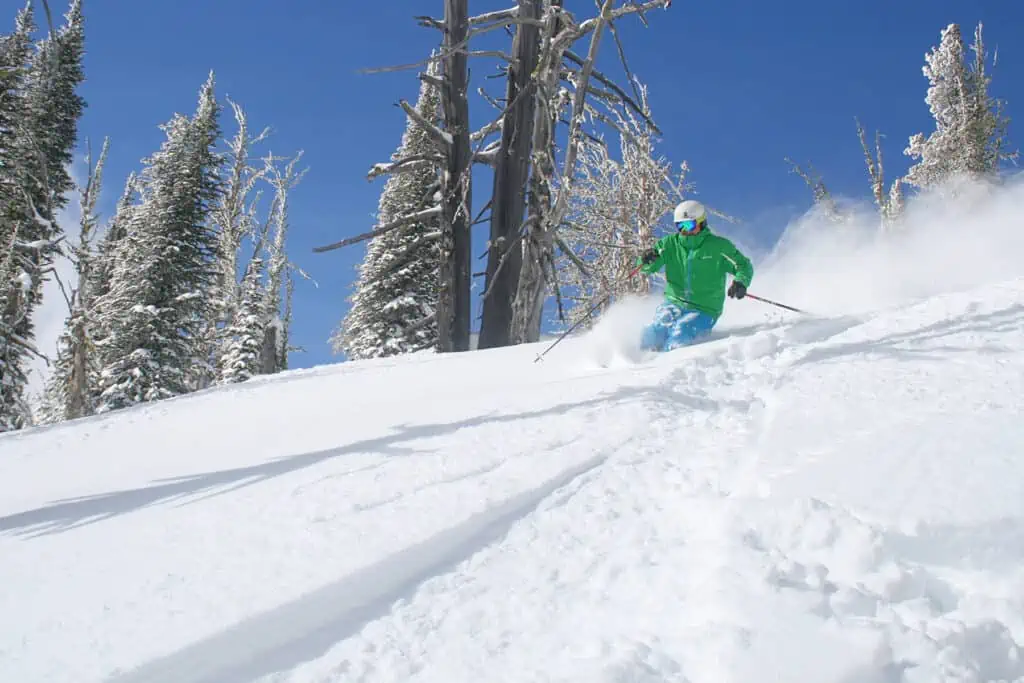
512,168
549,203
822,195
889,203
83,359
528,122
615,208
455,279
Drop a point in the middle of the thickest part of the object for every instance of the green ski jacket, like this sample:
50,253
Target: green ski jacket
695,269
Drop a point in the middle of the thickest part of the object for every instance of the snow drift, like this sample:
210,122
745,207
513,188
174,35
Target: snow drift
836,498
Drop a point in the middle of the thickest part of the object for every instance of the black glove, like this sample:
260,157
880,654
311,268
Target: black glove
649,256
737,290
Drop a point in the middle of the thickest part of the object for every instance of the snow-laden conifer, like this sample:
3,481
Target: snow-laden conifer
244,337
40,90
969,137
396,294
15,281
159,303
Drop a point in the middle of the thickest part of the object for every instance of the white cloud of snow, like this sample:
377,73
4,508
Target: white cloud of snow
944,245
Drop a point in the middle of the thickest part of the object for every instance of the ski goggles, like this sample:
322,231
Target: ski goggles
691,225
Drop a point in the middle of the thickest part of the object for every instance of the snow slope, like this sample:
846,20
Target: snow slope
833,498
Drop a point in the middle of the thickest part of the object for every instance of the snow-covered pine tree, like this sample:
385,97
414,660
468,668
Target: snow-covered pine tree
41,142
244,337
987,123
107,256
396,294
72,385
102,270
160,302
968,140
14,281
14,53
616,205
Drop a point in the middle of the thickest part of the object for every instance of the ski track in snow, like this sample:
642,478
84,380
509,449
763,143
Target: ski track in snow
688,527
282,639
702,531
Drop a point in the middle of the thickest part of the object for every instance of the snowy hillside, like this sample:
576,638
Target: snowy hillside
833,498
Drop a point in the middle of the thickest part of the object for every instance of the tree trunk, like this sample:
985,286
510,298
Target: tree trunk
545,216
510,176
530,293
453,310
269,353
79,386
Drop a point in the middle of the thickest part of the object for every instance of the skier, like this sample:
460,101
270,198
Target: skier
696,262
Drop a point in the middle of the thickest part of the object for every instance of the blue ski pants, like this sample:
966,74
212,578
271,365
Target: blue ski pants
675,326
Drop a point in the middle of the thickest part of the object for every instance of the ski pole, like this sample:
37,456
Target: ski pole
584,318
775,303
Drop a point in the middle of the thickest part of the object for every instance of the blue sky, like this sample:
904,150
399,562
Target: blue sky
735,86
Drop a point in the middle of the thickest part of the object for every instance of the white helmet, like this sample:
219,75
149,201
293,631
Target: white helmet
690,210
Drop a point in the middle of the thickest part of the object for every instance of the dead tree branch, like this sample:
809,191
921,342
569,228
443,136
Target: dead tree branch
442,139
380,230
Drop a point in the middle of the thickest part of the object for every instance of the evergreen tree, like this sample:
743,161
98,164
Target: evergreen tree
241,357
38,149
102,271
160,302
14,52
396,293
968,139
15,281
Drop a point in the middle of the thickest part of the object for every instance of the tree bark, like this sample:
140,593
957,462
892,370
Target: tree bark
268,352
454,303
529,298
511,173
545,216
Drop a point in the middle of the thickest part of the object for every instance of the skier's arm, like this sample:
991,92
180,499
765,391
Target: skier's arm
738,264
655,265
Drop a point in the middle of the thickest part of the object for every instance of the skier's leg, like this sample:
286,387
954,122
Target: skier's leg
690,327
655,334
